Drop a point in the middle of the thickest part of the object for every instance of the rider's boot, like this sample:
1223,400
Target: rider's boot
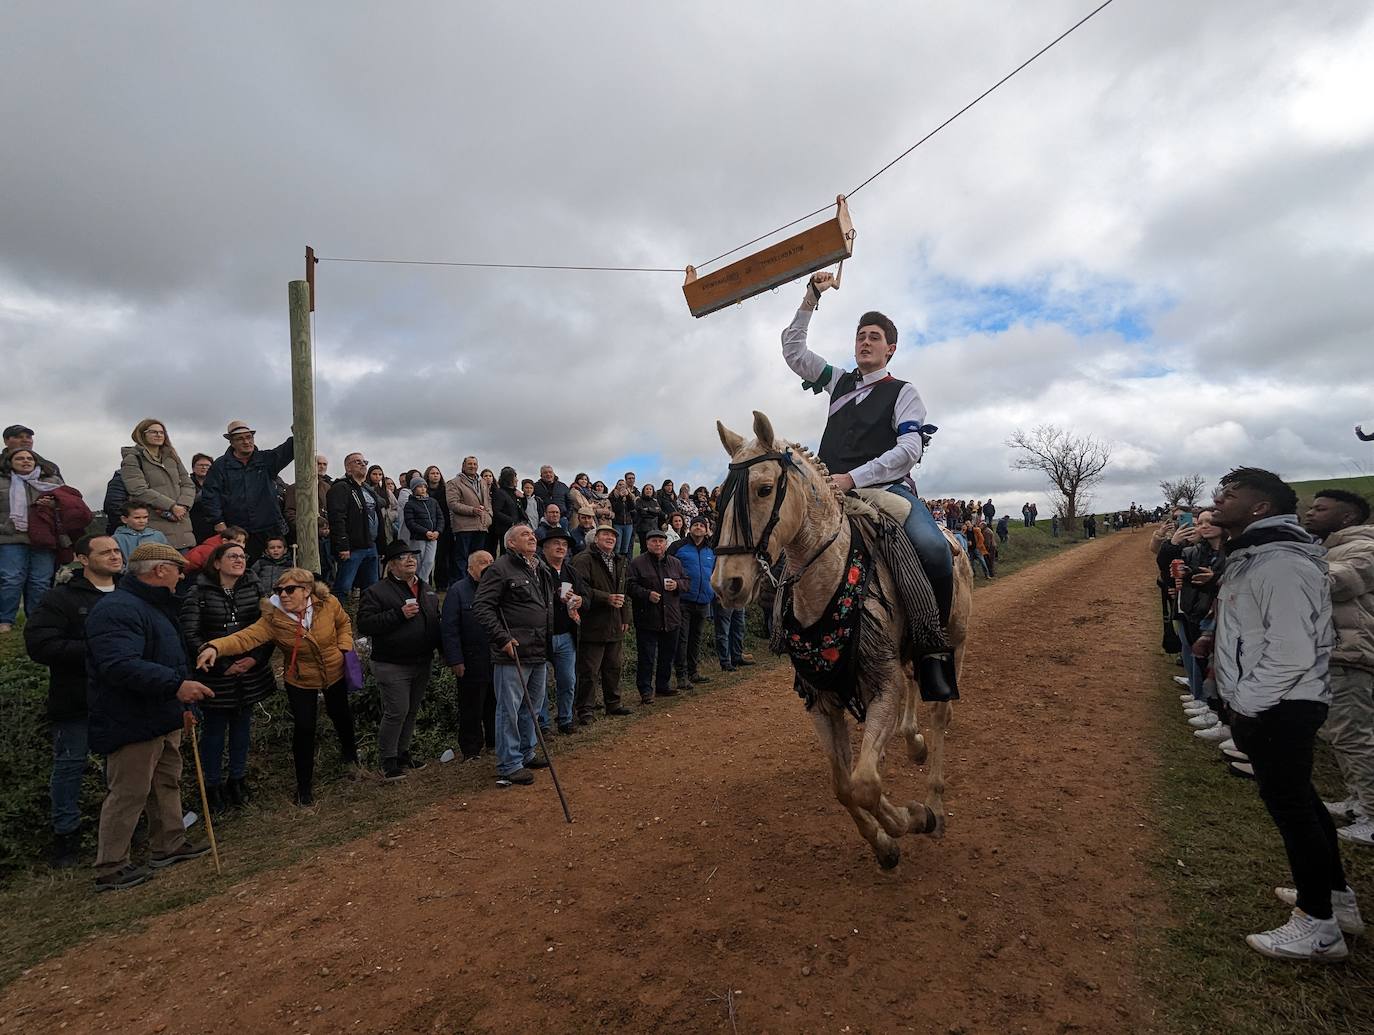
936,671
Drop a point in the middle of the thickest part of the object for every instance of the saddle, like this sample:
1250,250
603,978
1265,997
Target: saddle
864,502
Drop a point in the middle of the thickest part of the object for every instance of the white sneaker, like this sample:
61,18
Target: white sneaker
1361,832
1235,756
1215,733
1343,905
1302,938
1244,769
1205,720
1197,707
1348,809
1228,745
1185,698
1181,680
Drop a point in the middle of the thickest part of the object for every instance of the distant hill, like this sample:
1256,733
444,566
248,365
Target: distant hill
1364,486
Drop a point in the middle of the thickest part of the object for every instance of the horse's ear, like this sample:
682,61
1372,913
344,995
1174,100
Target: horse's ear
763,430
729,439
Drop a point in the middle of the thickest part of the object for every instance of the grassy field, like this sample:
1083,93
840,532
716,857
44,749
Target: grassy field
1220,859
1364,486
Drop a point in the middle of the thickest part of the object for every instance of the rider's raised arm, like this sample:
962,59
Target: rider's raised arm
907,417
804,363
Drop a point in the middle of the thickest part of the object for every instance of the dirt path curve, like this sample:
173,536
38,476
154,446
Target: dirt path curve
709,857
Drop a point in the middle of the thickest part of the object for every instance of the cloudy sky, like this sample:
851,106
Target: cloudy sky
1161,234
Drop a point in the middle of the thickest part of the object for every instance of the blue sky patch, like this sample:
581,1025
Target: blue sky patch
959,307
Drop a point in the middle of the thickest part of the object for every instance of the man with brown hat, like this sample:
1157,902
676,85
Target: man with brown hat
605,618
240,488
137,692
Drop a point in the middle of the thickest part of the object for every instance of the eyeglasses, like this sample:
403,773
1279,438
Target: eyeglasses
289,589
235,557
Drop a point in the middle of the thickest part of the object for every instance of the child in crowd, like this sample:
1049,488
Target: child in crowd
133,530
197,556
421,523
269,568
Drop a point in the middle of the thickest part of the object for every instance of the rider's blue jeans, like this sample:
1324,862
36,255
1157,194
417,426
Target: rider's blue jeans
931,545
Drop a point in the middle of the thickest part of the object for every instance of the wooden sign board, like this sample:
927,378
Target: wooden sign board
806,252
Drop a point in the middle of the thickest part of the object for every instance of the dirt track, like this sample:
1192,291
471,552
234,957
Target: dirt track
709,856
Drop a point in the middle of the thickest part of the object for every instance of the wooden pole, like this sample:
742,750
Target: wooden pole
303,428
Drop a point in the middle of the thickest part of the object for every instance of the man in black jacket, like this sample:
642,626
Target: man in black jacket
355,528
55,635
515,603
657,582
466,653
240,488
401,614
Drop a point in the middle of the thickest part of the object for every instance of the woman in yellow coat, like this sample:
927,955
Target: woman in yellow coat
312,631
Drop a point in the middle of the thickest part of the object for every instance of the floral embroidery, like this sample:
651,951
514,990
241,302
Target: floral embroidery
821,653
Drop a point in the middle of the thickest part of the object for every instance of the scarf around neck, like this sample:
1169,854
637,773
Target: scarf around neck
19,496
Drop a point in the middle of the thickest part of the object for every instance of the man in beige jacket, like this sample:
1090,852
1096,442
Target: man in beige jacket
1340,519
469,501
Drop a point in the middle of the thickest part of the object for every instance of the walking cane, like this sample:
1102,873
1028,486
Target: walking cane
188,724
538,731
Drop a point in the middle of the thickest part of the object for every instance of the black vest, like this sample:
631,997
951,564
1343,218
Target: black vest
860,431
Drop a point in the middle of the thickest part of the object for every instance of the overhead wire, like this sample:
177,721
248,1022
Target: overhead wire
776,230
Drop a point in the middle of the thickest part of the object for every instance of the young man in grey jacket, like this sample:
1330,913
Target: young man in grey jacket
1273,649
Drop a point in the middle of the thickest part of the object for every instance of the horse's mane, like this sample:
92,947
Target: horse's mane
818,470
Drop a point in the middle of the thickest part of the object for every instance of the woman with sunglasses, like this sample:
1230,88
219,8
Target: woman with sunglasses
225,599
312,631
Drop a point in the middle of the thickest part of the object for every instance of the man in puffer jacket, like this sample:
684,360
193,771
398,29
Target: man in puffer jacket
1340,519
1273,648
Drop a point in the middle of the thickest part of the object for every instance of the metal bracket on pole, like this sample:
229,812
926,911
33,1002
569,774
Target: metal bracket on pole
310,262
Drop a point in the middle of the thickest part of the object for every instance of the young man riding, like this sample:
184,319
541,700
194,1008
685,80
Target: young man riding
873,437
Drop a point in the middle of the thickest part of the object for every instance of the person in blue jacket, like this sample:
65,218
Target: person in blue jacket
136,693
698,561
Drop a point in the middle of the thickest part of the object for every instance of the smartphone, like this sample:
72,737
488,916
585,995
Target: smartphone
1185,519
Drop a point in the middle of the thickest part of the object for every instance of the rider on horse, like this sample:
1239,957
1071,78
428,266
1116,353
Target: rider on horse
875,433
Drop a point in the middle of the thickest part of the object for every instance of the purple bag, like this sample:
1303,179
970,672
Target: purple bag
353,671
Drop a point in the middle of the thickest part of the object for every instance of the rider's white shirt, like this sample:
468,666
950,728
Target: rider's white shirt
898,461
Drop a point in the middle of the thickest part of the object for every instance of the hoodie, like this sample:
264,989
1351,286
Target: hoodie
1273,614
129,540
1350,561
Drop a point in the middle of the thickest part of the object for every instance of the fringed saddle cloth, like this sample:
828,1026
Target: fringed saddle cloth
825,656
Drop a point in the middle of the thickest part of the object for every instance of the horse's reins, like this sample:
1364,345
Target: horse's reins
736,484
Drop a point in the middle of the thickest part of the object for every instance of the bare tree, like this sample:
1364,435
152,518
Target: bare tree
1072,464
1184,492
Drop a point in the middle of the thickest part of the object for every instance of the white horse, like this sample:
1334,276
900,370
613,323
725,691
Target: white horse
787,496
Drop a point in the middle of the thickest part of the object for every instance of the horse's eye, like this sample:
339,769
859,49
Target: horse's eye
765,491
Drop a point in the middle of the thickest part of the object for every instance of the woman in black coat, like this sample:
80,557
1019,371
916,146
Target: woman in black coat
225,599
648,516
434,478
505,510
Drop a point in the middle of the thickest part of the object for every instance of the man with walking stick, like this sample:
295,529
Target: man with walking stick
514,604
137,689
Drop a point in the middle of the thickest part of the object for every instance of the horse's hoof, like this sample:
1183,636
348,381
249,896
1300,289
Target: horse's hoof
889,859
935,825
916,749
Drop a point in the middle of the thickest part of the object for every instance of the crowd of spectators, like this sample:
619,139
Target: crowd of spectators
1272,617
522,588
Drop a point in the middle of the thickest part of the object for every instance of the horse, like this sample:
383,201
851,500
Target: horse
811,531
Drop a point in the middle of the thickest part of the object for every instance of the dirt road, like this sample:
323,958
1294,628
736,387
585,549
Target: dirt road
710,866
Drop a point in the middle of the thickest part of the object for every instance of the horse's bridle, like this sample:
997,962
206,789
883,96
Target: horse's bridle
735,490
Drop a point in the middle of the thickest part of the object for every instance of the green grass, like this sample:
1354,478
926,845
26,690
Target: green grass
1220,858
1363,485
1026,546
